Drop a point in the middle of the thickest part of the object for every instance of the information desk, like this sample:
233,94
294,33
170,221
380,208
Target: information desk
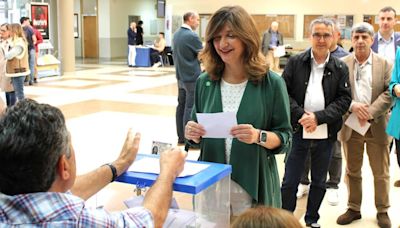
210,189
142,56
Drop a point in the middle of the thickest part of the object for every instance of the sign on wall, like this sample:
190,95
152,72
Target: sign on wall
40,18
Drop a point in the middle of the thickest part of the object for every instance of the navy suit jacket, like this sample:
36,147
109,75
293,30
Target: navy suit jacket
374,46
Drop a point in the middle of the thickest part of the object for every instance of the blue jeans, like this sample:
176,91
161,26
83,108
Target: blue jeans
18,84
320,151
32,57
10,98
184,108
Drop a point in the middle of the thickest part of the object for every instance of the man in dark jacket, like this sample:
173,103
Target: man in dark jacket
319,93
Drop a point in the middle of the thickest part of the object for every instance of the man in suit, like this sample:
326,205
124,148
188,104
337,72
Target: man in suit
319,93
369,79
186,46
386,40
272,39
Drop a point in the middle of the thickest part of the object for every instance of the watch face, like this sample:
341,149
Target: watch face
263,136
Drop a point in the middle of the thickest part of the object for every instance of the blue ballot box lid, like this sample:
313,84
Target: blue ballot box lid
190,184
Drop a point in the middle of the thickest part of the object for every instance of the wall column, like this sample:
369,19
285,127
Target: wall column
66,42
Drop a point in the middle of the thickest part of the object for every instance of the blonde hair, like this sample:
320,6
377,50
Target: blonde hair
17,32
243,26
266,217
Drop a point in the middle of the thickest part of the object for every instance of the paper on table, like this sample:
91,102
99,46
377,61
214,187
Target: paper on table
320,133
217,125
354,124
152,165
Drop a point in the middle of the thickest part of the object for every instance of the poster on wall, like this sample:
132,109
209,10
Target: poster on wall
40,18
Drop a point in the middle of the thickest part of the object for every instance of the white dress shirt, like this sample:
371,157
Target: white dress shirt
363,81
386,48
315,98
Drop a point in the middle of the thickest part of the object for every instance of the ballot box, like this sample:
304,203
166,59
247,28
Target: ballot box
208,191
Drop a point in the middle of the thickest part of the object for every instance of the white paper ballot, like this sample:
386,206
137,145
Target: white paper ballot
320,133
354,124
217,125
279,51
152,165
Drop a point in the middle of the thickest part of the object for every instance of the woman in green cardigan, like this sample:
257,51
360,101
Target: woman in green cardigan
237,80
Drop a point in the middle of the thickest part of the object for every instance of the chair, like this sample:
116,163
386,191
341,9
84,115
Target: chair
164,58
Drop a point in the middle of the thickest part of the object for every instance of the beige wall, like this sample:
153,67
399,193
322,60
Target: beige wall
299,8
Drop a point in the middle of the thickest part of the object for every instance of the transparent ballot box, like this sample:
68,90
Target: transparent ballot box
200,200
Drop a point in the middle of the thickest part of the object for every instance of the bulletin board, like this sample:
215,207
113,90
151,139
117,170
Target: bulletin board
345,21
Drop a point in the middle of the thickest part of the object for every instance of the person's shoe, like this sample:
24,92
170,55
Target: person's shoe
302,190
397,183
333,196
348,217
383,220
30,83
35,80
157,64
314,225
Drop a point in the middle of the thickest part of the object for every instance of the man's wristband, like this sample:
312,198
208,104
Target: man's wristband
113,170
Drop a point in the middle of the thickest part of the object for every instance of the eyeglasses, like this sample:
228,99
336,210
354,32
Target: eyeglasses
319,36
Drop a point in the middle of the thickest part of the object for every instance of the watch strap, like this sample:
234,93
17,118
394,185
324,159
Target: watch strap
113,171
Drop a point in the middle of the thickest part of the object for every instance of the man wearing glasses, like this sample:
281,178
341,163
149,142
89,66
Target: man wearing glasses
319,93
369,79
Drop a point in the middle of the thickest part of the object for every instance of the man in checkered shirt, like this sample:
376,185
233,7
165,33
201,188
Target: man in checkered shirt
38,170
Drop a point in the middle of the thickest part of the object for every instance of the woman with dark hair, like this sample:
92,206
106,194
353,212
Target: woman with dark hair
139,38
237,79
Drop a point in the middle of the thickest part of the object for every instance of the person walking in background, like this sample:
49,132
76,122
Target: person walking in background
335,165
132,36
369,79
272,38
186,46
17,60
139,31
39,40
31,40
393,127
319,92
5,82
238,80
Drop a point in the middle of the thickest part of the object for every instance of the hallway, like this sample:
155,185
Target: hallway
102,100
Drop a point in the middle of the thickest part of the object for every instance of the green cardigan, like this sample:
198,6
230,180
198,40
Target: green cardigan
266,107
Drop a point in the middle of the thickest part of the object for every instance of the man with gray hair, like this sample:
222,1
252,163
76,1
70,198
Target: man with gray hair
272,38
38,182
335,165
369,75
319,93
186,46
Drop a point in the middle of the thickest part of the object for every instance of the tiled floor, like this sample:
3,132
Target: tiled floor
101,100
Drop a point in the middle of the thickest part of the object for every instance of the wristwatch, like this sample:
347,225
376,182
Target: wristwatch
263,137
113,171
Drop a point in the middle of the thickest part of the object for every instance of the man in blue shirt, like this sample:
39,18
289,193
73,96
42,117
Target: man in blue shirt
271,40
